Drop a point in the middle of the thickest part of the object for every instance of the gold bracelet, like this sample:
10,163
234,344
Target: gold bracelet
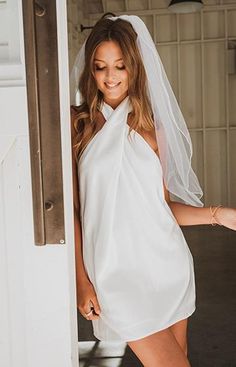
213,212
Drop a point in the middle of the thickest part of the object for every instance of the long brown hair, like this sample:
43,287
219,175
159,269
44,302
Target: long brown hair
84,116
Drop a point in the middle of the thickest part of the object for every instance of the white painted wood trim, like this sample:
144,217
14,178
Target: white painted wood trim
63,67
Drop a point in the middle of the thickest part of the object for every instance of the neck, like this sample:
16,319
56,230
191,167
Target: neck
114,103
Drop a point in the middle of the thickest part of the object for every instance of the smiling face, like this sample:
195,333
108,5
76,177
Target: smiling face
110,73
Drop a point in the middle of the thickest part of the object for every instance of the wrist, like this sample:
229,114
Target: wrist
214,210
82,276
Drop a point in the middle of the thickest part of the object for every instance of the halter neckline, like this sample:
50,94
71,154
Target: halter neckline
107,110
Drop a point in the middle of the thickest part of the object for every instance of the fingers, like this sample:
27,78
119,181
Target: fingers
90,310
88,314
96,306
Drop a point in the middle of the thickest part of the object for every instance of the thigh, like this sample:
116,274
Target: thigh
160,349
179,330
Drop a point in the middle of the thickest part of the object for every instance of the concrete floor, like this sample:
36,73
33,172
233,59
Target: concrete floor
212,328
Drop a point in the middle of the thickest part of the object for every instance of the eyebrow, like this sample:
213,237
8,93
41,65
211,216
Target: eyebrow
104,61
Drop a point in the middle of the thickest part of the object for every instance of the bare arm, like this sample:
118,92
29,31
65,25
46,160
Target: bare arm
81,274
87,301
187,215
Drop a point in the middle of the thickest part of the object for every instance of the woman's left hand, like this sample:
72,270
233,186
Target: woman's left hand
227,217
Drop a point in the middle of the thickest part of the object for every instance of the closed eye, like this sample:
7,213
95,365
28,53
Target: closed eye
99,68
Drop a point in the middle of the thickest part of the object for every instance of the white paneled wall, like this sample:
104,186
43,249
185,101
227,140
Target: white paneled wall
195,52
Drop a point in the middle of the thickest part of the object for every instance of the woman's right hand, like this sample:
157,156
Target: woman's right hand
87,300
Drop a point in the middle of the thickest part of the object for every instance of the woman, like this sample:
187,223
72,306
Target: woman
135,276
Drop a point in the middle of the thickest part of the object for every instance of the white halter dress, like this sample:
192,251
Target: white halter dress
134,251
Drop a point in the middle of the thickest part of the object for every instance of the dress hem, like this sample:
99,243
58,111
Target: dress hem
182,316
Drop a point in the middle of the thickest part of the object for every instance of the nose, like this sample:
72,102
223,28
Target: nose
110,74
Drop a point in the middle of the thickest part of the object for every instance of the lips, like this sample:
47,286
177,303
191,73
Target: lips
111,85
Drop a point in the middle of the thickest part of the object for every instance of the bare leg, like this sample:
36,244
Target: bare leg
179,330
160,349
